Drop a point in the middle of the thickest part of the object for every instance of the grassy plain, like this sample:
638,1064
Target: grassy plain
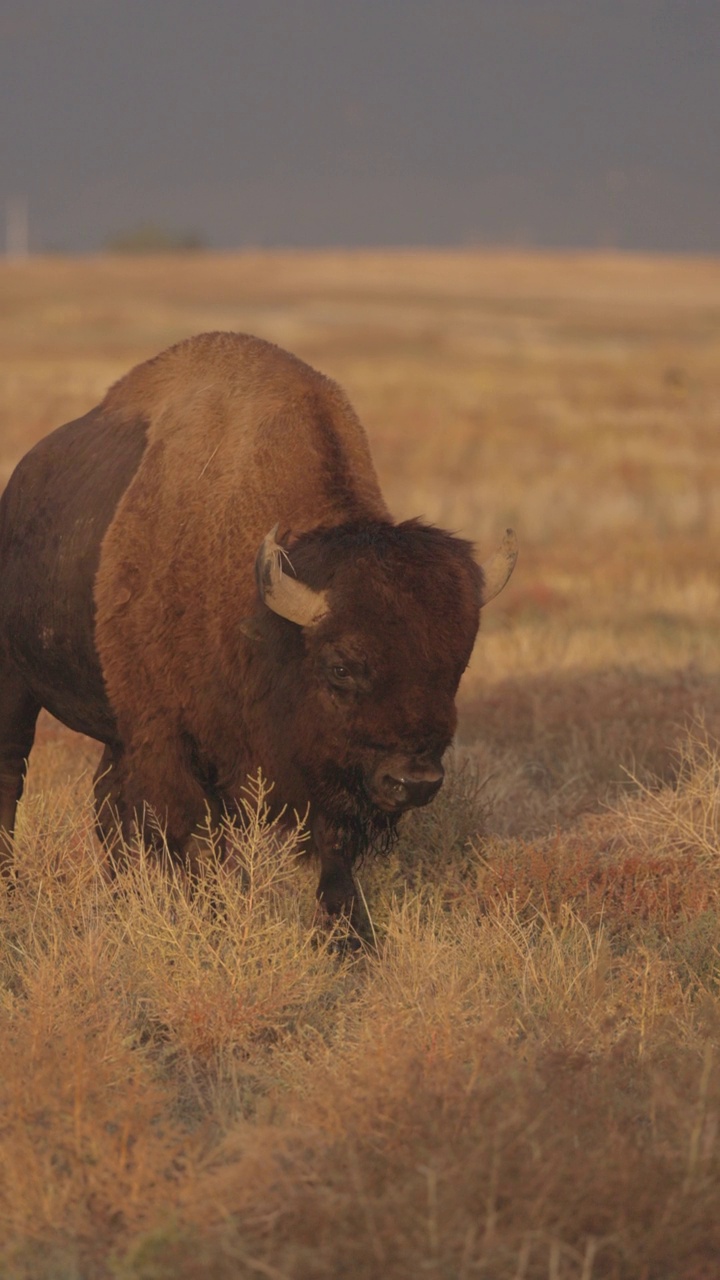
523,1079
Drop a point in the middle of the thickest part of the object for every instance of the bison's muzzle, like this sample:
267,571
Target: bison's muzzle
399,785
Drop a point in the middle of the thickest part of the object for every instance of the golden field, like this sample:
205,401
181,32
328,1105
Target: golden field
521,1078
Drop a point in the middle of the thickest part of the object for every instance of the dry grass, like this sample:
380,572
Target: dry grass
522,1079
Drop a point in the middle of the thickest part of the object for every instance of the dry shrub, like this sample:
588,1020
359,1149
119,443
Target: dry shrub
91,1151
483,1159
89,1146
230,961
426,1139
497,1089
595,872
684,820
130,1009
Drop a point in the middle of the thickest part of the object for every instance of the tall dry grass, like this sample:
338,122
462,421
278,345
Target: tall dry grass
520,1078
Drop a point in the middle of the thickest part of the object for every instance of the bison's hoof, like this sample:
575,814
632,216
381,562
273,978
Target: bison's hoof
342,931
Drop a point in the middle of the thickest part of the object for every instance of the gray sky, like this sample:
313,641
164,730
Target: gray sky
362,122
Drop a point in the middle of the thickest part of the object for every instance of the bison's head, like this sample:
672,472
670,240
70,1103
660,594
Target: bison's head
379,621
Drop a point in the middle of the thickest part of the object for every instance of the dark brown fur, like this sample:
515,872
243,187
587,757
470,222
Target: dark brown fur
127,548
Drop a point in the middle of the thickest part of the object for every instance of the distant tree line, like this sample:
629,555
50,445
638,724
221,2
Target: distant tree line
150,238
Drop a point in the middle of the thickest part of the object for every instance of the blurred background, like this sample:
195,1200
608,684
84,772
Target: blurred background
261,123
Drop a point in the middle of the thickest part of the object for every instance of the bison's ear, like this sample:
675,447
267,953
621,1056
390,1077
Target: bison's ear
496,571
286,596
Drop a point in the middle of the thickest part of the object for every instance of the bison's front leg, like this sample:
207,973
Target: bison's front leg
111,820
18,713
157,792
336,891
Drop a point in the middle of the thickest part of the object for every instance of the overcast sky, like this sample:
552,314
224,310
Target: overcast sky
364,122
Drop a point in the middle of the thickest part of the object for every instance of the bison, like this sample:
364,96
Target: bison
202,574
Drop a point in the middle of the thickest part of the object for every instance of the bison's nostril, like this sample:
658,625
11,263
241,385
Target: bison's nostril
412,792
396,788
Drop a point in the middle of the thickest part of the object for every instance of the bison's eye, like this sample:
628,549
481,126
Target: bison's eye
340,677
344,674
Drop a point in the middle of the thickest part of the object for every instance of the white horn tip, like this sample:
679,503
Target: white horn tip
497,571
509,544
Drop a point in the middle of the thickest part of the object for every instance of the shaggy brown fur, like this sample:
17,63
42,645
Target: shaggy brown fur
131,608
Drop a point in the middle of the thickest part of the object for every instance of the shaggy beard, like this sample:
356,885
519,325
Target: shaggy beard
363,828
369,831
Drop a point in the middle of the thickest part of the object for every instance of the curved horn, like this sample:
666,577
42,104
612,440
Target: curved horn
497,570
286,596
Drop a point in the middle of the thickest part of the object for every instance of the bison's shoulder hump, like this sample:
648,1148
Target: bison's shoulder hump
236,363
